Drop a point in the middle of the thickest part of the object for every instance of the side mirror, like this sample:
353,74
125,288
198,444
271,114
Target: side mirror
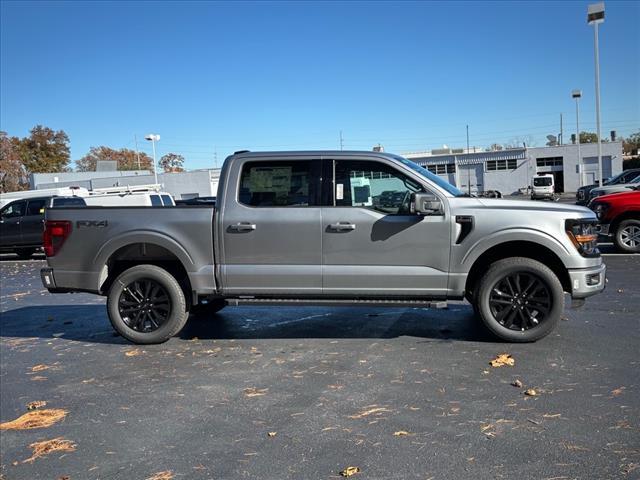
426,204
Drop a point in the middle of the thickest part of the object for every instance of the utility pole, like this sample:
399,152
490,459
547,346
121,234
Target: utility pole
577,94
135,138
561,132
215,157
341,141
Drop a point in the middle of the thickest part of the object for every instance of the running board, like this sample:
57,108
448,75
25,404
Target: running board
439,304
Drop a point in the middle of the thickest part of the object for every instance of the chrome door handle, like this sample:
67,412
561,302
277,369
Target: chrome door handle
342,226
242,227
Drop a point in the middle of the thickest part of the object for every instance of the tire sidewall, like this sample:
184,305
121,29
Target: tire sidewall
177,314
618,236
503,268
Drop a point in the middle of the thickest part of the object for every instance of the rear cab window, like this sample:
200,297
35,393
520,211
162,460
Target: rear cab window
155,200
167,200
68,202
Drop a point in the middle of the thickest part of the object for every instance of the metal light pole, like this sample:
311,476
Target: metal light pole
595,16
577,94
153,138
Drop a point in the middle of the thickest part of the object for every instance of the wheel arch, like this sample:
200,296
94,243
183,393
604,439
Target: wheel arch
148,253
517,248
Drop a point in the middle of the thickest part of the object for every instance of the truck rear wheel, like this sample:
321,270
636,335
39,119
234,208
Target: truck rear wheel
520,299
627,236
146,305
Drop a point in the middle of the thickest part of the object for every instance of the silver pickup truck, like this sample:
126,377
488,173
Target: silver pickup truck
327,228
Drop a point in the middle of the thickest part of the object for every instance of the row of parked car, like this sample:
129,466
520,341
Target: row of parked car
624,181
22,213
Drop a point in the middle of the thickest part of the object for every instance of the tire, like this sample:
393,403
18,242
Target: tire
513,313
210,308
146,305
25,253
627,236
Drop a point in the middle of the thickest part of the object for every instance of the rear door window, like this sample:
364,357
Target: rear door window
156,201
280,183
36,207
166,199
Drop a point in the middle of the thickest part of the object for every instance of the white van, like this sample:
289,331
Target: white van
542,186
5,198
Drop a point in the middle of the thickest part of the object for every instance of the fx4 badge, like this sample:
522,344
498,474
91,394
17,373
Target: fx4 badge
91,223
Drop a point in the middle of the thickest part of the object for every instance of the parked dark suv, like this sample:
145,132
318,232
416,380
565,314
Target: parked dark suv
21,223
582,195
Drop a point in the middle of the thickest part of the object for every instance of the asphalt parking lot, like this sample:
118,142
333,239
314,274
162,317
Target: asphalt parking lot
397,392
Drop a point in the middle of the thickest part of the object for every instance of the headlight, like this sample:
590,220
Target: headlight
584,236
600,209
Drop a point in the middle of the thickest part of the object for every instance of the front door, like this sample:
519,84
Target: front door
10,219
372,245
272,231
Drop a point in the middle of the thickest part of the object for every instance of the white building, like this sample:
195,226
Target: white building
509,171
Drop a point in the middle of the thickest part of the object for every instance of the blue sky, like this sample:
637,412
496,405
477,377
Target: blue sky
212,78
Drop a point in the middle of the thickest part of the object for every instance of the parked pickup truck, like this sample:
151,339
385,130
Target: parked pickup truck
318,228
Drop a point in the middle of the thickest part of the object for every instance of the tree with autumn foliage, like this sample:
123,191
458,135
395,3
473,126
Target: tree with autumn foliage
13,176
172,162
127,159
44,150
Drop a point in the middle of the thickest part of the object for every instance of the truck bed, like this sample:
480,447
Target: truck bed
101,236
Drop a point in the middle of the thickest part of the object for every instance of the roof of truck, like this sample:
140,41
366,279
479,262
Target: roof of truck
312,153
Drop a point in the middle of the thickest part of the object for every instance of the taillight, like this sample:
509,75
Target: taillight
55,233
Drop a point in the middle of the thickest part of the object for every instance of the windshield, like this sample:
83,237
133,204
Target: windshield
542,182
430,176
635,180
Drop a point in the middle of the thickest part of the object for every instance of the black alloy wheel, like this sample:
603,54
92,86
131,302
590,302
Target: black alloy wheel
144,305
520,301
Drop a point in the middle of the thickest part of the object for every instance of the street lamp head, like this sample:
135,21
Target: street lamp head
595,13
152,138
576,93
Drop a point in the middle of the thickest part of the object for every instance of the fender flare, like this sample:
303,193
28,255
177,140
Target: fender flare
141,236
530,235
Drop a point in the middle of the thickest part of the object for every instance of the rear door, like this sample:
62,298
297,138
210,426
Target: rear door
10,219
271,228
32,222
372,245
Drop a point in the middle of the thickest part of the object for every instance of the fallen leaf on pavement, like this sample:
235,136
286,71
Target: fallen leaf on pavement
349,471
166,475
255,392
374,410
40,368
517,383
46,447
272,434
400,433
503,359
133,353
37,404
35,419
617,391
531,392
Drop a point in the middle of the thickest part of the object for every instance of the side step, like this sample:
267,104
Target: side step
337,302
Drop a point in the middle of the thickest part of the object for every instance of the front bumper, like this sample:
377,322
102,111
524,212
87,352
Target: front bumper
587,281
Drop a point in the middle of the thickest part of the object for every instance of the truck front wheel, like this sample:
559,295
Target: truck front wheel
146,305
520,299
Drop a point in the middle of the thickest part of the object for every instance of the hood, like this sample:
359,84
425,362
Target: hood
522,205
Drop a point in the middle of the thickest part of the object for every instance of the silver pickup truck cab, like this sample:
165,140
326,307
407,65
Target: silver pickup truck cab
327,227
